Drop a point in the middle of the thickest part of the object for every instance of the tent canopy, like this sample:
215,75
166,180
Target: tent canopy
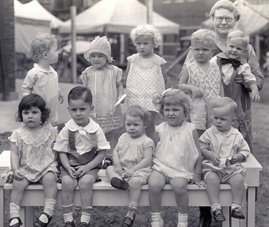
33,10
253,17
119,16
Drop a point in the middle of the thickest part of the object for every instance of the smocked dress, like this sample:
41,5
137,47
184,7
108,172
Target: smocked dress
144,80
131,151
36,157
176,152
103,84
44,83
225,145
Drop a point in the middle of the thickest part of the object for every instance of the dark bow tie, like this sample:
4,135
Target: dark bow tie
235,63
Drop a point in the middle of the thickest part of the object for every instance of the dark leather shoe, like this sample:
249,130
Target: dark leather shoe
69,224
39,223
84,224
237,213
17,224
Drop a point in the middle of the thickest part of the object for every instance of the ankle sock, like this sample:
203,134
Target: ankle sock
14,211
86,215
215,206
156,216
68,213
236,205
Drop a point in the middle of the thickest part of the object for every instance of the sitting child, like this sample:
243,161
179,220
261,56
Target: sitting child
82,145
224,148
132,159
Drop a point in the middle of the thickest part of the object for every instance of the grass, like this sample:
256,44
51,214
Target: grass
112,216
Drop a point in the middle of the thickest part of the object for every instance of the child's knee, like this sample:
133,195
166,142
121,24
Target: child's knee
237,180
212,178
68,183
135,183
86,182
49,179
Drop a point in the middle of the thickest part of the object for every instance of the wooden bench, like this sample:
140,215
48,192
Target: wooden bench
105,195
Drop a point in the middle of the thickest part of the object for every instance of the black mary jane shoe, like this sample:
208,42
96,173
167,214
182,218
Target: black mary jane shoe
17,224
39,223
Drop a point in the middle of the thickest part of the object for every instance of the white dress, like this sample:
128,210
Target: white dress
44,83
144,80
36,157
176,152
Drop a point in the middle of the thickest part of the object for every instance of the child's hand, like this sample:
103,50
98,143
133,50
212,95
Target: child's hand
72,172
197,92
17,175
214,158
239,79
60,98
236,158
255,96
128,173
118,169
197,180
82,170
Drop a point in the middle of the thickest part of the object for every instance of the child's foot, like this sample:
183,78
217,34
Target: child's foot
119,183
218,216
15,222
43,220
129,218
237,213
157,223
84,224
182,224
69,224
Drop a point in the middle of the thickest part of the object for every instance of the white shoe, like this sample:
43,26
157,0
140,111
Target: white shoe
157,223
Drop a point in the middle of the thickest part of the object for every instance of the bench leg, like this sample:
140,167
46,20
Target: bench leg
251,206
29,216
22,216
226,213
2,207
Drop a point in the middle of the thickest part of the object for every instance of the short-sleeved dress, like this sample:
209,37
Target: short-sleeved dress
210,83
131,151
225,145
44,83
36,157
103,84
176,152
144,80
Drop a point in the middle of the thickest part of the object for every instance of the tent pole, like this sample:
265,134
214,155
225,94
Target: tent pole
73,10
122,48
149,11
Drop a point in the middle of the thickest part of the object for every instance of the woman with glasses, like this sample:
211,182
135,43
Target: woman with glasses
225,16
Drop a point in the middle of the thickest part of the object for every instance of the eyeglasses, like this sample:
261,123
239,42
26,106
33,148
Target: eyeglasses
227,19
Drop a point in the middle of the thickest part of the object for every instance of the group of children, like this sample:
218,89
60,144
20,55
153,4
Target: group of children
196,141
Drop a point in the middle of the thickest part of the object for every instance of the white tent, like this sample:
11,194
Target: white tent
119,16
33,10
253,17
26,28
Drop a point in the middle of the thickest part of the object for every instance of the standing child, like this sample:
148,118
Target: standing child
104,81
82,145
132,159
224,148
145,71
42,79
177,159
32,158
202,75
233,65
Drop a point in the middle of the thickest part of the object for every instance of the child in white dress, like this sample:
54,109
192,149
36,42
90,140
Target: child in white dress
177,159
224,148
145,71
202,76
132,159
42,79
81,145
32,158
104,81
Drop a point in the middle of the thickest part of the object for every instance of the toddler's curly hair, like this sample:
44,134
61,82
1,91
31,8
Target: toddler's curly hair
42,42
178,97
147,30
203,35
138,111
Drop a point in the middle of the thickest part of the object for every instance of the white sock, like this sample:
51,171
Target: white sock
236,205
68,213
14,211
215,206
85,217
156,216
68,217
182,217
49,206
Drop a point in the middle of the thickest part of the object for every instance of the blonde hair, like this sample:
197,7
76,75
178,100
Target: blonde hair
203,35
237,34
42,42
225,103
225,4
176,97
146,30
